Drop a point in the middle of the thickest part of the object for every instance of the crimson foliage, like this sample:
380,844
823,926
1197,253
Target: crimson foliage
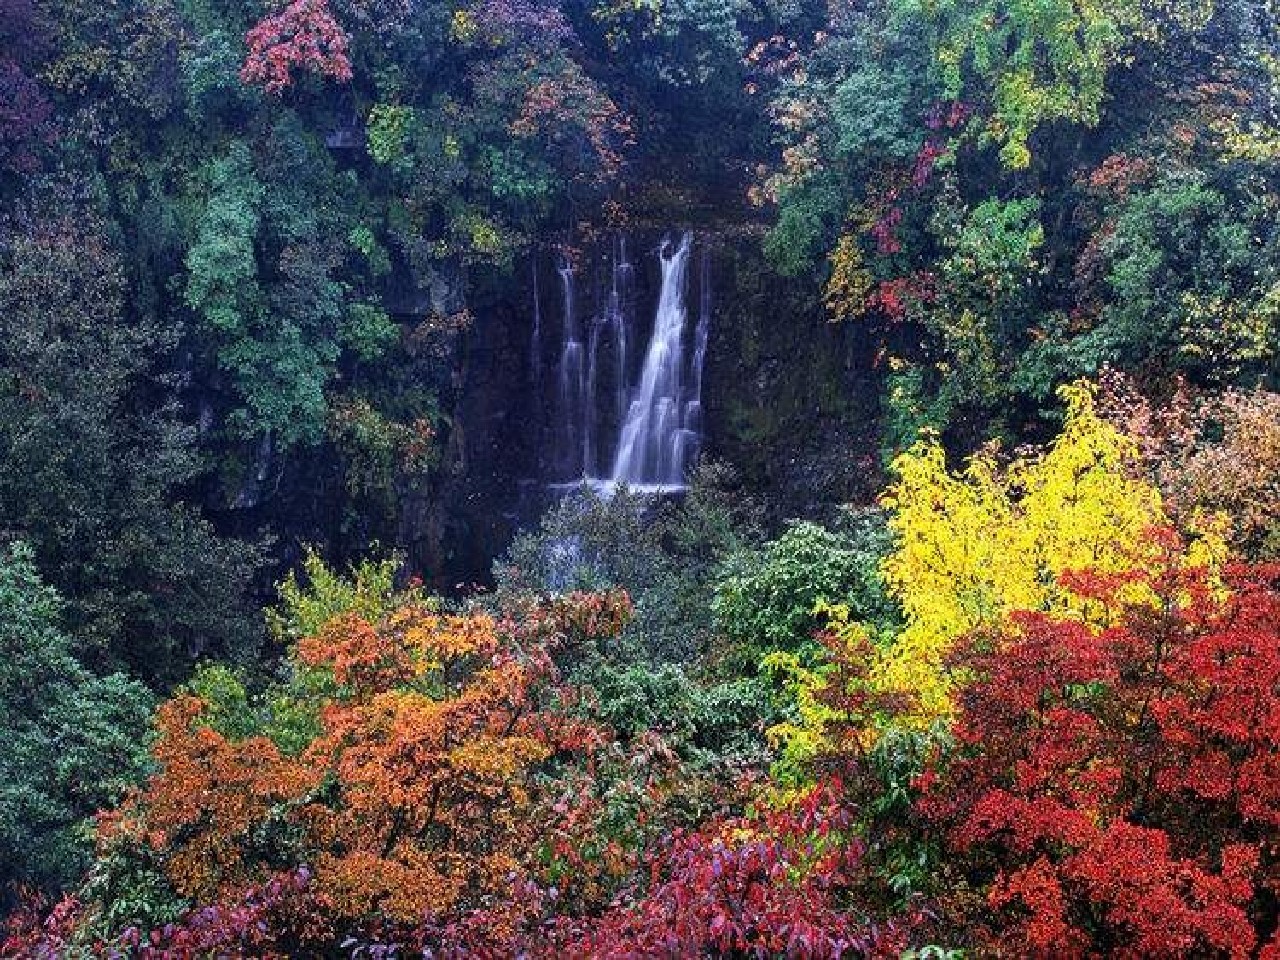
770,885
246,928
303,35
1118,788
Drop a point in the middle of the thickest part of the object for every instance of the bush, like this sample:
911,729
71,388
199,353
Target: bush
767,599
1117,787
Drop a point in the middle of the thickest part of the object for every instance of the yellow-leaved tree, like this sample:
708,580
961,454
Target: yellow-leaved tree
975,546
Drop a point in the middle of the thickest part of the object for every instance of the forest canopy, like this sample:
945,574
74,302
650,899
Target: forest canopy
931,606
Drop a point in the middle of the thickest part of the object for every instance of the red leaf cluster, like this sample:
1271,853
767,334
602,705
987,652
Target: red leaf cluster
304,35
948,115
902,295
36,931
764,886
1119,788
926,159
885,230
249,927
1118,175
572,110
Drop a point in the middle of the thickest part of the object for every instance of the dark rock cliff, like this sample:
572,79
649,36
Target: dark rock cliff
790,399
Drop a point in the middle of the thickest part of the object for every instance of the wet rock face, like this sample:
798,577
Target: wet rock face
790,399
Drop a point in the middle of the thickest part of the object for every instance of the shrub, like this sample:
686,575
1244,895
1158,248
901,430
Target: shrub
1116,785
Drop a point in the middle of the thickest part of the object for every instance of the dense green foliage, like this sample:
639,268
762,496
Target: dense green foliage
771,598
74,740
93,457
1031,192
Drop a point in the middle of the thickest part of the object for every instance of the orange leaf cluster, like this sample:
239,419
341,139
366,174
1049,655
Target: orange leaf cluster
212,796
417,797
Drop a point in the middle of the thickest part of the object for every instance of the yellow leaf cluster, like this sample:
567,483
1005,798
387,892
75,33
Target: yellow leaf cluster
820,722
849,287
976,546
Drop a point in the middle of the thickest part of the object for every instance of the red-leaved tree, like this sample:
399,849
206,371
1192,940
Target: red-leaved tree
304,35
1117,790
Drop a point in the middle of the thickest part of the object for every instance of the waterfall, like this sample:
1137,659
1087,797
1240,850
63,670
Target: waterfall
692,423
535,344
654,444
650,427
589,419
574,410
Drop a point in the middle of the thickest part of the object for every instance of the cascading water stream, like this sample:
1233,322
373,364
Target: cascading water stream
589,414
688,438
657,419
653,445
575,412
535,342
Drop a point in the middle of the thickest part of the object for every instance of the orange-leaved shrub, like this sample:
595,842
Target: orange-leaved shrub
417,796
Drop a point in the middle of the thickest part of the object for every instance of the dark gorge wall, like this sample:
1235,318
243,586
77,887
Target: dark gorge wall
789,399
792,398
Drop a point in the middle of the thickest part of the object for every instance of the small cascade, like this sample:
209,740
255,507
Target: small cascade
654,443
691,424
574,411
535,342
644,432
589,414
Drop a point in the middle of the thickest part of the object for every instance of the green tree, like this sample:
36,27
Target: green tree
1031,64
277,342
73,741
93,458
768,599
